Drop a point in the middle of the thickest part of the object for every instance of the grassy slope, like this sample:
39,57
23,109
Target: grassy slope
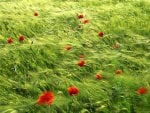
28,69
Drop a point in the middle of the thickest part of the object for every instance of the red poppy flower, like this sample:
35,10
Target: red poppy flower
85,21
68,47
21,38
81,63
36,14
46,98
101,34
72,90
142,90
116,46
80,16
9,40
99,76
118,71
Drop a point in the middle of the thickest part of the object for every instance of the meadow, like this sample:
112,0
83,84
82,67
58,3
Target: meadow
74,56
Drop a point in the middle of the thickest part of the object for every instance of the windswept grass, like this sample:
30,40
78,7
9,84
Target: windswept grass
41,62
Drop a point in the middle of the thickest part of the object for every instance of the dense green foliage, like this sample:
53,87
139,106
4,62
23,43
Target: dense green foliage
41,62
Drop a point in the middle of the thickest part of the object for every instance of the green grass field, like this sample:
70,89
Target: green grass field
42,63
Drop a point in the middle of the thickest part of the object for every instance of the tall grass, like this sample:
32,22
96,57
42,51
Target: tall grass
41,62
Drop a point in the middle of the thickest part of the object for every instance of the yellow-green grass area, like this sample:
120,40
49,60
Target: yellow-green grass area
41,62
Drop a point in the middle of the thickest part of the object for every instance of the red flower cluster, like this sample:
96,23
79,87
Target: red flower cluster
101,34
46,98
72,90
118,71
36,14
9,40
81,63
85,21
21,39
99,76
142,90
68,47
80,16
